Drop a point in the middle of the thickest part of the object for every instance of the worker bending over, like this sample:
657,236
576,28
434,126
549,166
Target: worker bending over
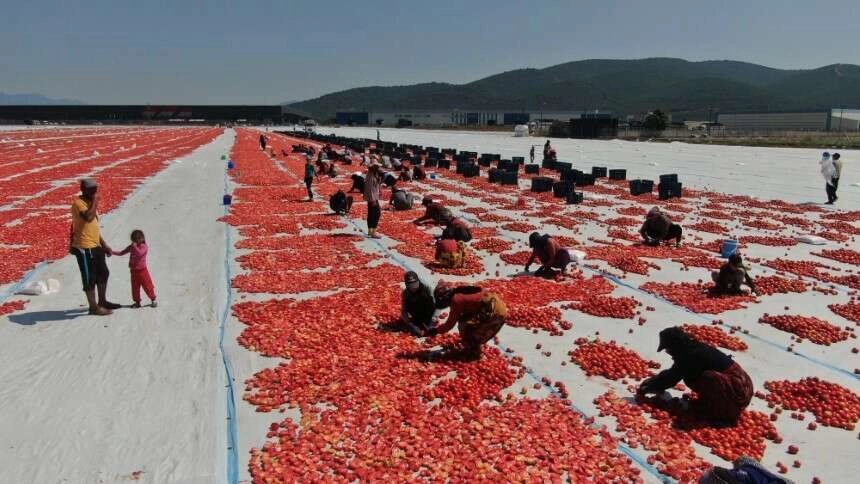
659,228
550,253
457,229
478,314
723,387
434,213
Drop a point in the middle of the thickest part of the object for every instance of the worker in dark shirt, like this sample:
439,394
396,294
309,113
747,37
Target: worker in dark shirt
478,314
417,305
723,387
340,203
435,213
550,253
357,183
418,173
729,279
658,228
457,229
401,199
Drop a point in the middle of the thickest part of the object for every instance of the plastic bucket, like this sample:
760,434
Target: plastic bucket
729,248
432,176
228,199
231,165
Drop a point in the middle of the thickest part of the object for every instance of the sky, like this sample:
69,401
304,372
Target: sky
267,52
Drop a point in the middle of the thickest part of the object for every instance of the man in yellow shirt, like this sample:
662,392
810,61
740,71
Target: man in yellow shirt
88,247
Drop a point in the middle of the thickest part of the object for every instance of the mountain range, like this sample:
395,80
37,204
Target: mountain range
33,100
684,88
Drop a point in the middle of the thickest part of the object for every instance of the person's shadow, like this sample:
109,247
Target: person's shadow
33,317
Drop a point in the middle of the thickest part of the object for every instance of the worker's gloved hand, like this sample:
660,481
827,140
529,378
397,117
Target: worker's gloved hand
646,387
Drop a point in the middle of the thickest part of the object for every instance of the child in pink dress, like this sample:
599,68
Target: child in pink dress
137,265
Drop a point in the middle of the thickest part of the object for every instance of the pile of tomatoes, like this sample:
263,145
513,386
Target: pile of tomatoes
610,360
816,330
833,405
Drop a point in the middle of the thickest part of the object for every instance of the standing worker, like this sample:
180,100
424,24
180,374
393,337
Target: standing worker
309,176
372,183
834,170
532,154
262,142
658,228
90,249
724,388
478,314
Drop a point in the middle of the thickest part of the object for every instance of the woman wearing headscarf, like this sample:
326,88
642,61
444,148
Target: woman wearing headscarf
724,389
550,253
417,306
478,314
372,183
732,276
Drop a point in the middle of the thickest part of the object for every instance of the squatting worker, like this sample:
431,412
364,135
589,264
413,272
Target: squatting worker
731,276
90,249
724,388
434,213
478,314
550,253
451,253
658,228
401,199
372,184
357,183
417,305
456,228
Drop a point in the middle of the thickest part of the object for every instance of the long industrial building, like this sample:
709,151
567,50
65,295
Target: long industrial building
451,117
847,120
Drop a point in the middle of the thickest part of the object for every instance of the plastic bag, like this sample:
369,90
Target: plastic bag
811,239
40,288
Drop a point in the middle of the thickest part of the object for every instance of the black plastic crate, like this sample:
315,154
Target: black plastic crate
542,184
431,162
445,163
494,175
617,174
533,168
508,178
638,187
670,178
562,188
598,171
584,179
506,165
574,197
471,170
669,190
485,162
518,160
563,165
570,174
548,163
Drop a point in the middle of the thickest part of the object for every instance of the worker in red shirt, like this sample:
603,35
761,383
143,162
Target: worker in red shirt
478,314
550,253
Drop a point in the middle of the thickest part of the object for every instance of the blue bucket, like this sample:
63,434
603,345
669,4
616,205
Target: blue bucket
231,165
432,176
228,199
729,248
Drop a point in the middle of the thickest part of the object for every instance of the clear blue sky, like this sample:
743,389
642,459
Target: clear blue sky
184,51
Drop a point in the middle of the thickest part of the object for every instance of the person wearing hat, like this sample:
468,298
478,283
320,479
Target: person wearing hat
417,306
478,314
90,249
401,199
723,387
434,213
372,184
658,228
550,253
731,276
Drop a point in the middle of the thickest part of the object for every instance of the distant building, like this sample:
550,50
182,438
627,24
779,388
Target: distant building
824,120
452,117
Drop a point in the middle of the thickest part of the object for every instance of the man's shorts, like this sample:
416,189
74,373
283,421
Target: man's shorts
93,266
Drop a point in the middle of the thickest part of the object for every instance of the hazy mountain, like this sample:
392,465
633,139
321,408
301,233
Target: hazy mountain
623,86
33,100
